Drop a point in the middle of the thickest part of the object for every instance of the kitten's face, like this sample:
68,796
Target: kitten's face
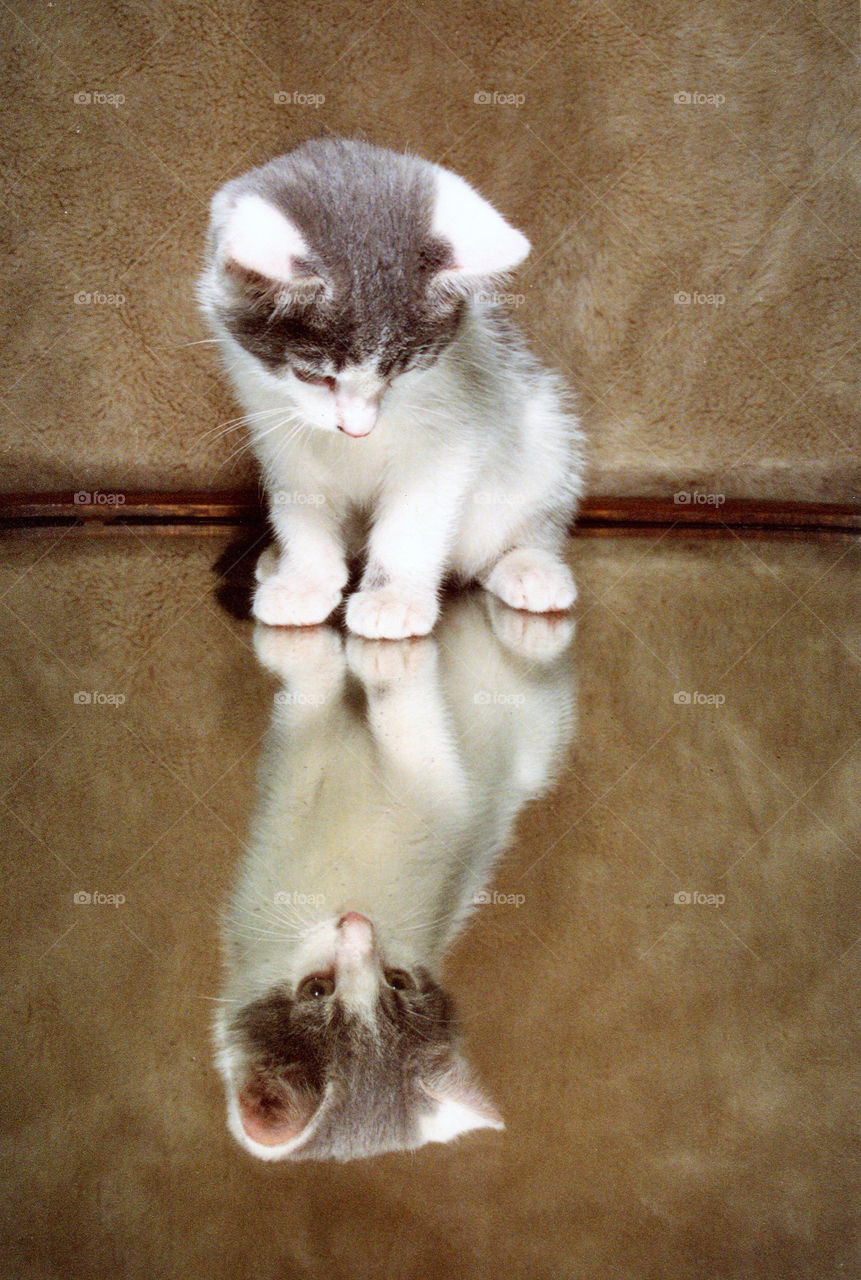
343,269
348,1056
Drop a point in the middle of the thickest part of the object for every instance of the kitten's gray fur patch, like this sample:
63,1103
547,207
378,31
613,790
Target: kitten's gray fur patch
366,215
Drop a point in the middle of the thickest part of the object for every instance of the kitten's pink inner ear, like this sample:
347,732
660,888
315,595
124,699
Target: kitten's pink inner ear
261,239
482,241
272,1116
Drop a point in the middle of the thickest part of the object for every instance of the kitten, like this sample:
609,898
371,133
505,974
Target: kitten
370,847
394,410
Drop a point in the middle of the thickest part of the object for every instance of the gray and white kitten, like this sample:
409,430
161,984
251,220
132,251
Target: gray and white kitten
371,846
395,412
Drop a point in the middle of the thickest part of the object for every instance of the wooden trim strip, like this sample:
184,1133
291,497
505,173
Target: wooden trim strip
93,511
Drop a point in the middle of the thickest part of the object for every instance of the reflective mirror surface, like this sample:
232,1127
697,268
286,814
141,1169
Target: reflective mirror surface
289,894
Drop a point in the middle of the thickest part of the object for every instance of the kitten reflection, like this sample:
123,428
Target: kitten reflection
389,785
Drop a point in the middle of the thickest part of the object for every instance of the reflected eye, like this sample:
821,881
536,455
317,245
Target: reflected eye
316,987
399,980
313,381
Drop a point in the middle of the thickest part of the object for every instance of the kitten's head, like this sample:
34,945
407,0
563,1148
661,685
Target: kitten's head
342,267
347,1056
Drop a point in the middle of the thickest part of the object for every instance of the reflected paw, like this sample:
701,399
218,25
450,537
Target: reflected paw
377,663
534,580
537,637
391,613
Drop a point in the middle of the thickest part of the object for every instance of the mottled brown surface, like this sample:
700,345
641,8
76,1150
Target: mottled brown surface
678,1081
628,196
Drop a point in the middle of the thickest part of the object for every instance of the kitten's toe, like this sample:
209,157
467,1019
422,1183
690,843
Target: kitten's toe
539,638
534,580
391,613
292,602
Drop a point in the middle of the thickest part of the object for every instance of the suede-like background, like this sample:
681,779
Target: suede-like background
679,1082
750,197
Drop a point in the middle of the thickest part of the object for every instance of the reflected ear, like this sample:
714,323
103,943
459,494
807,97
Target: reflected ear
272,1113
482,242
260,239
459,1104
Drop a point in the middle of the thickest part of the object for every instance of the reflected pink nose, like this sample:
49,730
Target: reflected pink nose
353,918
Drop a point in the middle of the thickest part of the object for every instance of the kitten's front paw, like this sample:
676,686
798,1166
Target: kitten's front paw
294,602
532,579
391,613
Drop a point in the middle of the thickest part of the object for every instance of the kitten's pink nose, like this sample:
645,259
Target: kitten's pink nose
357,416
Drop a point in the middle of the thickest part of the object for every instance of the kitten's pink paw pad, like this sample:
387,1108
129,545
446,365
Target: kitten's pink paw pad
290,602
533,580
391,613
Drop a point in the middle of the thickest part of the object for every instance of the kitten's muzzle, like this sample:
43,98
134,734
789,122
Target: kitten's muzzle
356,415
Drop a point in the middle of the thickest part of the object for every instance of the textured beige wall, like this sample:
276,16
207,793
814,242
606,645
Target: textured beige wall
629,197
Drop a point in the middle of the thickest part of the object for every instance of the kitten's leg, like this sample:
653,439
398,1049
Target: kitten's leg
301,582
407,556
531,578
310,663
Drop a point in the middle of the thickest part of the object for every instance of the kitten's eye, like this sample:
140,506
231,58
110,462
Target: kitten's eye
313,381
399,980
315,987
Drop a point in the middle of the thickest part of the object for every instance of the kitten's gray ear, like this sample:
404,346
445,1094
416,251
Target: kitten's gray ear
253,235
482,242
269,1117
458,1104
